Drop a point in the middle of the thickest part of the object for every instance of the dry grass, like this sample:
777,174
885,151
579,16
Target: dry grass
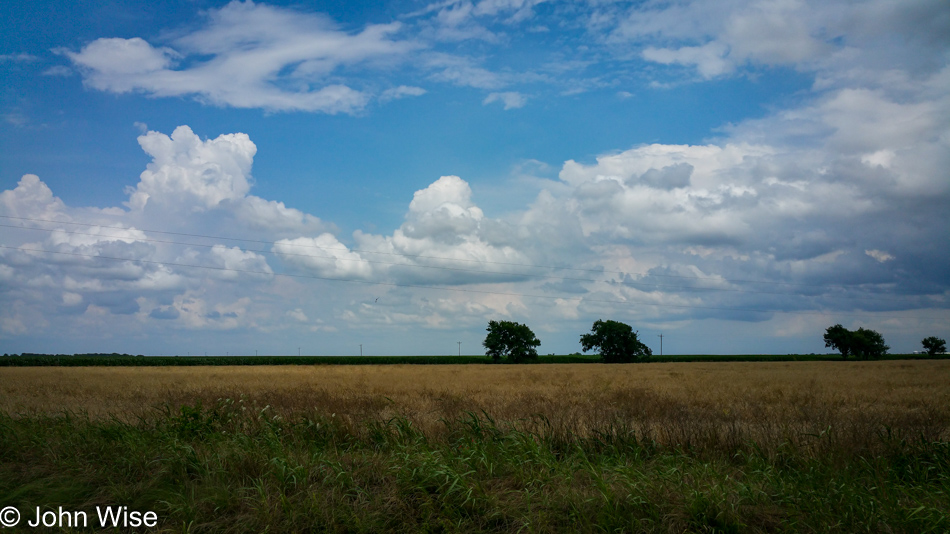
697,447
693,404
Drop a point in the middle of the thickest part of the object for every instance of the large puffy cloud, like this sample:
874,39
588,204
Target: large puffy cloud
248,56
61,262
443,211
188,174
184,167
323,256
665,193
776,226
446,239
31,198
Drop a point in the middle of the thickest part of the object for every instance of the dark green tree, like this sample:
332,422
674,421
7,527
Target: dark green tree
934,345
616,341
868,344
862,343
510,340
839,338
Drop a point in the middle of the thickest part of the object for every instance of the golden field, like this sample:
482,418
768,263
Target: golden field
831,446
766,402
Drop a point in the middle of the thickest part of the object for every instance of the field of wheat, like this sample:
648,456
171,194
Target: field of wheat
668,402
660,447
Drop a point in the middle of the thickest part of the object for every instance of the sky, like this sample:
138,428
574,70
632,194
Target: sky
191,177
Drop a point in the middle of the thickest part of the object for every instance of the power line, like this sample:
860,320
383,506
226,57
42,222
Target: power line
625,283
440,288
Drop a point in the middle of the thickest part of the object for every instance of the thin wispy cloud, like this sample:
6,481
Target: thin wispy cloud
247,56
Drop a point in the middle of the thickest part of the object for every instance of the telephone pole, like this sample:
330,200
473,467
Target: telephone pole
661,344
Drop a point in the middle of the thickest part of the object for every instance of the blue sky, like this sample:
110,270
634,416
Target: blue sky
736,175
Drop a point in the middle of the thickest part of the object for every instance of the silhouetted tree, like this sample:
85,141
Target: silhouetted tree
934,344
868,344
839,338
863,343
616,341
510,340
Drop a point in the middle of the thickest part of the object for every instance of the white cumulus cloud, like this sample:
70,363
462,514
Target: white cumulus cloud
323,256
185,168
247,56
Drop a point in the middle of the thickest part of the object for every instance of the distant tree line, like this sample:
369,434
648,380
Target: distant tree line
87,355
617,342
864,343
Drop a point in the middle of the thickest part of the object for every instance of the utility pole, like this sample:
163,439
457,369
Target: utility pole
361,349
661,344
460,347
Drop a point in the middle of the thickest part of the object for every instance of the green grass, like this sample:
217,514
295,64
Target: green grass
239,468
84,360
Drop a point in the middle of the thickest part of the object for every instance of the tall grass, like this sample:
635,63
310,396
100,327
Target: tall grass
741,447
235,467
805,396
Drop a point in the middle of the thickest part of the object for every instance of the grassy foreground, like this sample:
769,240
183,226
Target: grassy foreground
237,468
699,447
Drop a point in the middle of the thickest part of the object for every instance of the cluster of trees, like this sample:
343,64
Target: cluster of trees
619,343
516,343
863,343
